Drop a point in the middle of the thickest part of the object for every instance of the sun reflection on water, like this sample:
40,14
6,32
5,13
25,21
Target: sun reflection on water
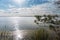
17,33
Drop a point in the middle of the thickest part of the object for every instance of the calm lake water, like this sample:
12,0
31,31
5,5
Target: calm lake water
11,23
20,26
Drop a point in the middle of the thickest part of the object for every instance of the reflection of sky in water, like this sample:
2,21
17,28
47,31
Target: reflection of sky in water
20,22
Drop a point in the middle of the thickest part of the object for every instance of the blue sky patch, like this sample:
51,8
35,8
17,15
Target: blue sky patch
4,4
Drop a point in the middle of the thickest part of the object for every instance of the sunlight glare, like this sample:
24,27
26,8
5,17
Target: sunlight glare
19,1
18,34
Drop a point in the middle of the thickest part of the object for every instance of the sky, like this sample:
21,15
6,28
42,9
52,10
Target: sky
27,7
5,4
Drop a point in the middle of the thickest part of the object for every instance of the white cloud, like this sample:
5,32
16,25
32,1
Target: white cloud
46,8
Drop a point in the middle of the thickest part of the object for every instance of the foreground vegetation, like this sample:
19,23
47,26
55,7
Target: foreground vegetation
53,33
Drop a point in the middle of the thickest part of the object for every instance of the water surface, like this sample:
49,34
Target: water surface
23,23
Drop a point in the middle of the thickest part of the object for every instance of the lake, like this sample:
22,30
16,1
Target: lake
20,27
23,23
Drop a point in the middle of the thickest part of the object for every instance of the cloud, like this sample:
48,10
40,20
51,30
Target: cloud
11,6
46,8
